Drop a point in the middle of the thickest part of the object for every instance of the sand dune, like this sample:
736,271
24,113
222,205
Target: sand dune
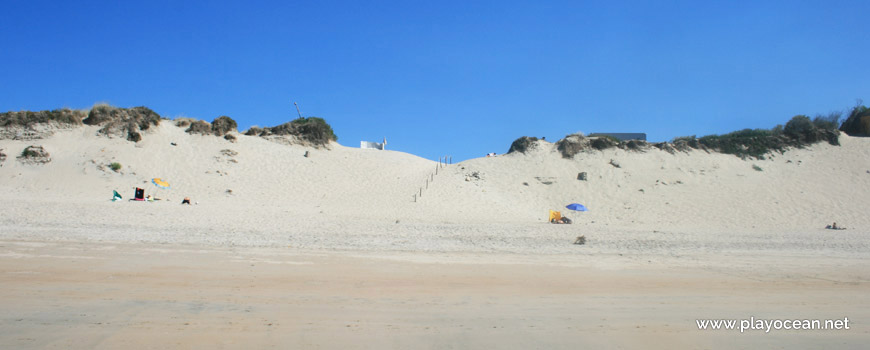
353,260
801,189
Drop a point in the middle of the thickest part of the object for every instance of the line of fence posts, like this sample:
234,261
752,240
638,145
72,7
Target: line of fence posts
442,162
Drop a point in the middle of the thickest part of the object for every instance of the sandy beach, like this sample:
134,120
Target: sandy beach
334,250
143,296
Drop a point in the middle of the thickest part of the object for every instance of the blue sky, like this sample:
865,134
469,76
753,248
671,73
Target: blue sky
450,77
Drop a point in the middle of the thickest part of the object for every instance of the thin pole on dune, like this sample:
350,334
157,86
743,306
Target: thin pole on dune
297,110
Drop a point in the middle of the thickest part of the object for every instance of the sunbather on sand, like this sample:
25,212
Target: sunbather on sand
834,227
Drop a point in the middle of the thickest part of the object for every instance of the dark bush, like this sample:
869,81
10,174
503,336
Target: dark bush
665,146
604,142
199,127
858,122
635,145
222,125
29,152
311,130
571,145
255,131
230,137
523,144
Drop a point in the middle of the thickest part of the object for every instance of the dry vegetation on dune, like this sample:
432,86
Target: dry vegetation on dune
221,126
311,131
132,123
799,132
27,118
35,125
122,122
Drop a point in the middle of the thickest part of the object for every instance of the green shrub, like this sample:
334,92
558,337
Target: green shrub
29,153
799,125
684,138
756,167
745,143
828,122
314,129
115,166
611,139
778,129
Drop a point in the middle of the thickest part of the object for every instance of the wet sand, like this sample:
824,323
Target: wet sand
75,295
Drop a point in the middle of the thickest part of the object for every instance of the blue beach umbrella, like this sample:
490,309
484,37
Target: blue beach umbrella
576,207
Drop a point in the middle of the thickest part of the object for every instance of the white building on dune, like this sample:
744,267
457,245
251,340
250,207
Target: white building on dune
373,145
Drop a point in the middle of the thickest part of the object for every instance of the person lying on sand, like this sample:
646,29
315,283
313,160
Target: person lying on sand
186,201
834,227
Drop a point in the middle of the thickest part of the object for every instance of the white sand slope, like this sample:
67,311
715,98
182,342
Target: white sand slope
275,188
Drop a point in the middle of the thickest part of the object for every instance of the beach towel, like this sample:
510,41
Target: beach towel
140,194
